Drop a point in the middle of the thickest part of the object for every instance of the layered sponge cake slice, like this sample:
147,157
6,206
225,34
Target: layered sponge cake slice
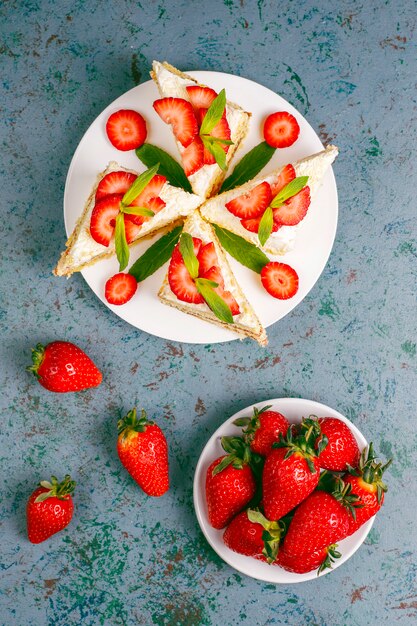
206,150
272,205
93,236
199,268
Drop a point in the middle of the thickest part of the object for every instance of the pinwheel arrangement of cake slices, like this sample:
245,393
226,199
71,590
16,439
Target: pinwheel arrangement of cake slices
199,210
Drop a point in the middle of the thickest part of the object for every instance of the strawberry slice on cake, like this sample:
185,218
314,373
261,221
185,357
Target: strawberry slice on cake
208,129
200,282
267,210
107,217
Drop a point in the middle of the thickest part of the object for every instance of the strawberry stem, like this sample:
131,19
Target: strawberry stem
56,489
38,354
131,423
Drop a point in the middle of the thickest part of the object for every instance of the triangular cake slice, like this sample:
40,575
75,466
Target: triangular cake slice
82,250
172,83
282,240
214,266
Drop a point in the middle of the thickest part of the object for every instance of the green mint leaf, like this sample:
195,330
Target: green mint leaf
156,255
138,210
265,226
139,185
289,190
217,151
214,113
168,167
208,282
122,249
187,252
214,301
243,251
226,142
249,166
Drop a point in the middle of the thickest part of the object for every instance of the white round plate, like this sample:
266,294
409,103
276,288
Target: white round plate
314,239
294,410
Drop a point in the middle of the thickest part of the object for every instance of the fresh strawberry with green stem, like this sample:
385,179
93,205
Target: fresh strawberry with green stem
126,129
335,443
251,534
230,483
180,114
301,564
143,451
61,366
321,520
263,429
49,508
367,484
291,473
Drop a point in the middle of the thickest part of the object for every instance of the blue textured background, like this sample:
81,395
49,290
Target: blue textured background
128,559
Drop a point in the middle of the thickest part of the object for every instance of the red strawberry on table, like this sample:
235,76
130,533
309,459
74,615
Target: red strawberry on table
230,483
337,447
120,288
263,429
126,129
281,129
61,366
180,114
49,508
291,473
366,483
143,451
320,520
301,564
251,204
251,534
280,280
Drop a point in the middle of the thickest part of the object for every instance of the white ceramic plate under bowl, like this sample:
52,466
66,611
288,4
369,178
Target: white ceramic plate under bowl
294,410
314,239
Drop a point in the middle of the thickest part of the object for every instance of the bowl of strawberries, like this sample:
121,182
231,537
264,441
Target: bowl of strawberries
287,489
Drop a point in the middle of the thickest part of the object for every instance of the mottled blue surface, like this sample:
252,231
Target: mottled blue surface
350,67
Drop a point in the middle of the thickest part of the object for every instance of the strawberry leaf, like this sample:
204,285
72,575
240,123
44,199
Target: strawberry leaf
188,255
265,226
293,187
214,301
155,256
243,251
250,165
138,210
122,249
139,185
214,114
168,167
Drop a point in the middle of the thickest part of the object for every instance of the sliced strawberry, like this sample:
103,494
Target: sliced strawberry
152,190
193,157
114,182
120,288
200,97
176,255
294,209
280,280
126,129
181,283
214,274
207,258
251,204
252,225
281,129
132,229
220,131
154,204
103,218
180,114
285,177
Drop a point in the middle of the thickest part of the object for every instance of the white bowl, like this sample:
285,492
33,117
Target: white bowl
294,410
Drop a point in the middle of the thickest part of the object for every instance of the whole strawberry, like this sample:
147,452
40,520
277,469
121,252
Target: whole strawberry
61,366
366,483
335,443
291,473
49,508
230,483
251,534
143,450
301,564
319,521
263,429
